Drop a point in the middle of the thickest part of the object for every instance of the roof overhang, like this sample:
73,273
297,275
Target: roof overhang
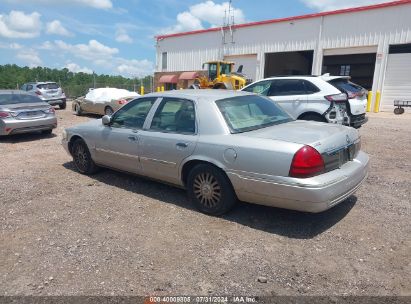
168,79
188,76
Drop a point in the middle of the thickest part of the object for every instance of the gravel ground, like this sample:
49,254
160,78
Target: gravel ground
63,233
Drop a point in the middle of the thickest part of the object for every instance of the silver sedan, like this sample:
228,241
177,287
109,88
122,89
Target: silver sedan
225,146
21,112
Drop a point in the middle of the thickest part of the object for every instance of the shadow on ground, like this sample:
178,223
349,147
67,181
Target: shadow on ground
25,137
293,224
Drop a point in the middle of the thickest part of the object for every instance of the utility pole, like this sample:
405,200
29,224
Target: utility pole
94,80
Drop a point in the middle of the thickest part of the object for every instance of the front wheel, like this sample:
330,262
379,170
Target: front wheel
77,109
210,190
82,158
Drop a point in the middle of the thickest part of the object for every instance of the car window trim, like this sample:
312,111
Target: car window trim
160,101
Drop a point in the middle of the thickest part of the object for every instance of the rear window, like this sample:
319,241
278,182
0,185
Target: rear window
248,113
48,86
346,86
6,99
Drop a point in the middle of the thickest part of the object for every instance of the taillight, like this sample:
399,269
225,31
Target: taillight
337,97
38,92
307,162
50,110
122,102
4,114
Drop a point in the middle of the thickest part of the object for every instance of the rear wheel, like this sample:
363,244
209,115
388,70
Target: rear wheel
82,158
210,190
63,105
313,117
108,111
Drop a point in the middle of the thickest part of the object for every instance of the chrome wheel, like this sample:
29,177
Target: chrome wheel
207,189
81,157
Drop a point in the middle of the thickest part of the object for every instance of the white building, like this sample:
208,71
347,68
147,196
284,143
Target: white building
372,44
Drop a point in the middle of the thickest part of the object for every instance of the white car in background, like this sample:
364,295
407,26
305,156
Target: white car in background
306,98
357,98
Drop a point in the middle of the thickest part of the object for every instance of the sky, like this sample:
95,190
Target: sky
116,37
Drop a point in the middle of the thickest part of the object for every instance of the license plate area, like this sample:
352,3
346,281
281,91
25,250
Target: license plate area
336,159
347,154
30,114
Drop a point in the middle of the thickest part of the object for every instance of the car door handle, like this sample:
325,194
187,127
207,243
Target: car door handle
132,138
182,145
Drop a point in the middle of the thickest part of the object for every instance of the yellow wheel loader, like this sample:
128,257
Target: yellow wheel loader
221,76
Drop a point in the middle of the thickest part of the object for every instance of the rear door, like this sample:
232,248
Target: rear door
290,94
171,138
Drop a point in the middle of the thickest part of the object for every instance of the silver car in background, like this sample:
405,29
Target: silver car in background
49,92
224,146
81,106
21,112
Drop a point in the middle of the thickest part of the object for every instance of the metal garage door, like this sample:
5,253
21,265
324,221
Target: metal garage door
397,83
249,63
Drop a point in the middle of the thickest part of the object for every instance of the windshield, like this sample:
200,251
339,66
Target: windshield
225,69
18,98
247,113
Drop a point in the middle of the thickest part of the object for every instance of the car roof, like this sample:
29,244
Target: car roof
41,82
212,94
291,77
14,92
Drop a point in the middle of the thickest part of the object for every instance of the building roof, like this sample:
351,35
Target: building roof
288,19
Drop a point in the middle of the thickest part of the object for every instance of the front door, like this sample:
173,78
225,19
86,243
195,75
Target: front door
118,146
171,138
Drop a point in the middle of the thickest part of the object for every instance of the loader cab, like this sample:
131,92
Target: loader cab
217,68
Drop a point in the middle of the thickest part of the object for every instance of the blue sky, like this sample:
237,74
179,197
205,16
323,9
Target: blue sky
117,36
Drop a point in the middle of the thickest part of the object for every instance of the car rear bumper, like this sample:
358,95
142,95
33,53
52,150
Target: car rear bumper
358,120
315,194
15,126
55,101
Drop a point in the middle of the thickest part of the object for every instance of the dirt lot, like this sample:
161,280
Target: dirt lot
63,233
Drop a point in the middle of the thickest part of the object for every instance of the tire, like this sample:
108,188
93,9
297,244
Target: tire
63,105
210,190
402,110
82,158
77,109
48,132
108,111
313,117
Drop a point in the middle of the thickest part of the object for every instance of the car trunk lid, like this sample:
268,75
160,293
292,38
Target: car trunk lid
28,110
326,138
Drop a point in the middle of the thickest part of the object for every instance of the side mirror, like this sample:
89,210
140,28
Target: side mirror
106,120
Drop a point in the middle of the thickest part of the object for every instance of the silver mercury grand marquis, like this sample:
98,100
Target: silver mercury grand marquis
224,146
